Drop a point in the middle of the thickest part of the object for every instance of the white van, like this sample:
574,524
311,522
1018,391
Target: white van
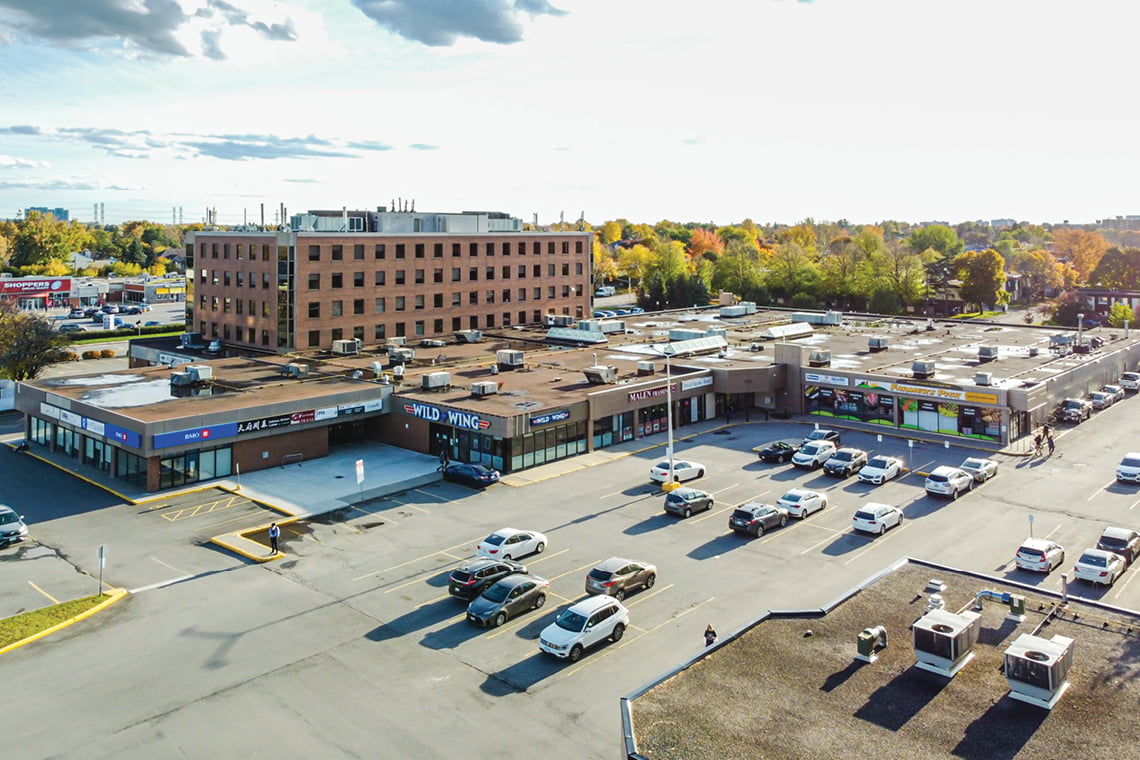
605,290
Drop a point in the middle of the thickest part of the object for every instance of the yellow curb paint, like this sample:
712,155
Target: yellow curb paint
114,595
61,468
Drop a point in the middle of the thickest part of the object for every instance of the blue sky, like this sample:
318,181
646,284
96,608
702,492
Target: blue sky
717,110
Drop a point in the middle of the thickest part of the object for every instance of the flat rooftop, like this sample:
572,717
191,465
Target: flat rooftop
775,691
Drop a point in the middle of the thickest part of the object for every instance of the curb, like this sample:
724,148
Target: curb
61,468
114,595
234,542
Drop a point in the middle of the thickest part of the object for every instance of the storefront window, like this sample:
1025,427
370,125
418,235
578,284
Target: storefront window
861,405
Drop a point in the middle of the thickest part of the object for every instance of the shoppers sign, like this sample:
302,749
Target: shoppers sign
35,286
452,417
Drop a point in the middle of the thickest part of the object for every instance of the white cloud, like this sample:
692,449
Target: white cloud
15,162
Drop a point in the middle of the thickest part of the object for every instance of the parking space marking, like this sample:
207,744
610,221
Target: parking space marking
409,504
1050,534
167,566
878,541
712,514
522,620
726,488
1102,488
417,559
831,537
575,570
205,507
49,596
545,557
642,597
1134,505
1118,590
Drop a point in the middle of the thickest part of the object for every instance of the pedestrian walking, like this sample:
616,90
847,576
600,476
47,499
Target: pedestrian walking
1037,445
728,413
710,635
274,535
1049,441
1046,431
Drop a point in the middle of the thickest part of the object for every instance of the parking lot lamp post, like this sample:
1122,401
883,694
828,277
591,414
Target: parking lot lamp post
669,352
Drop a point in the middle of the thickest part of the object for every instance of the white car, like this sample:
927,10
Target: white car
801,503
981,469
1099,566
510,543
1129,468
1115,391
1130,381
12,527
1039,554
814,454
1101,400
881,469
683,469
948,481
583,625
876,518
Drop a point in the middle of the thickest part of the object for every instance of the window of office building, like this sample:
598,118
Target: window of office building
577,246
506,249
379,251
522,294
265,280
358,279
379,278
400,250
437,275
456,274
419,250
378,307
337,309
419,275
456,249
227,304
522,248
490,320
240,277
358,306
550,291
472,249
536,270
437,251
378,332
437,326
314,253
506,273
550,247
490,273
437,300
213,303
522,271
358,252
419,302
490,298
419,327
400,302
456,299
265,337
400,331
457,323
265,309
506,296
337,280
566,269
337,334
314,309
399,276
506,319
358,332
473,298
490,249
473,274
338,253
314,281
238,306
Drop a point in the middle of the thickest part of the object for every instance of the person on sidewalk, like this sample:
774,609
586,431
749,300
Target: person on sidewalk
1049,440
728,414
710,635
1037,445
274,536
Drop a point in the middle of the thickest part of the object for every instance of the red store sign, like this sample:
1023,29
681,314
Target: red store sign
35,287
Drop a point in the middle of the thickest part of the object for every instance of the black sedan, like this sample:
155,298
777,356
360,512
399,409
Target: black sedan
507,598
476,475
776,451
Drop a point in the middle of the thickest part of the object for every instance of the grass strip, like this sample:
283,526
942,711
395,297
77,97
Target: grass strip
20,627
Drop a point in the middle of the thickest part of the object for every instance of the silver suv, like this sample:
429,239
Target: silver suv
948,481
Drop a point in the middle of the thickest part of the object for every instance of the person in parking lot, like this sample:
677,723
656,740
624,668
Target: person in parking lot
710,635
1049,440
1037,445
274,535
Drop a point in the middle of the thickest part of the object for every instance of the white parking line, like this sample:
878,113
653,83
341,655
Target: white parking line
167,566
1102,488
642,597
417,559
1050,534
544,557
879,540
711,514
815,546
1133,505
1119,588
726,488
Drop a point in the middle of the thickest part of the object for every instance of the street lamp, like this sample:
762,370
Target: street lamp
669,351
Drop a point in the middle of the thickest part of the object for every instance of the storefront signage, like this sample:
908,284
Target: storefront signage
816,377
549,417
648,393
37,286
265,423
945,394
698,382
195,435
48,410
71,418
129,437
300,418
94,427
168,291
452,417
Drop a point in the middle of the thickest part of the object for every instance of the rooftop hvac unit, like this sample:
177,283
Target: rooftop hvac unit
469,336
646,368
609,326
716,332
484,388
987,353
601,375
749,307
401,355
1037,669
878,344
346,347
1034,350
190,340
398,372
436,381
432,343
558,320
509,359
923,369
944,641
1081,348
181,379
736,310
297,369
819,359
399,340
591,325
200,373
983,378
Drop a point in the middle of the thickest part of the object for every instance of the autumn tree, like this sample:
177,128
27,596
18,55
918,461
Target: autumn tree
41,238
611,233
1121,313
1039,271
634,263
983,276
738,271
28,343
1117,269
792,270
899,270
703,241
605,266
1082,249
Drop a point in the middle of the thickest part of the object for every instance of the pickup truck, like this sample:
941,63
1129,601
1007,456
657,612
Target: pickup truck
1075,410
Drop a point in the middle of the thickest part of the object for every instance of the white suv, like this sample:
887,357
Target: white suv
948,481
582,626
814,454
1130,381
1129,468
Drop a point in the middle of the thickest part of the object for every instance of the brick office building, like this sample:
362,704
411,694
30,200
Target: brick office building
380,275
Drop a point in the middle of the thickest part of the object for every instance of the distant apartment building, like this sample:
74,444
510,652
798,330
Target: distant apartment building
60,214
377,275
1120,223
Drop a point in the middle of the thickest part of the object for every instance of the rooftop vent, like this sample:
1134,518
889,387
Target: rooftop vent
1037,669
399,340
944,641
875,345
509,359
436,381
558,320
484,388
295,369
987,353
432,343
200,373
346,347
601,375
646,368
400,355
983,378
469,336
819,359
923,369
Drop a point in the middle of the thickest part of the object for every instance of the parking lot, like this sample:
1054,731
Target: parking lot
314,645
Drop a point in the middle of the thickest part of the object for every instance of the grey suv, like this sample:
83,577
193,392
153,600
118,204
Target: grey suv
471,579
618,576
845,462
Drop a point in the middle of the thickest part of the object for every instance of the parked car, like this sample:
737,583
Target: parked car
776,451
12,526
109,308
1039,554
1130,381
1075,410
477,475
980,468
1099,566
72,328
605,290
682,470
1120,541
948,481
1101,400
1128,470
472,578
131,310
583,625
876,518
800,502
814,454
845,462
756,517
880,469
508,597
822,434
1116,391
78,314
618,576
508,543
686,501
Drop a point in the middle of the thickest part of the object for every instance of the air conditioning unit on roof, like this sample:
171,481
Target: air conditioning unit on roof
484,388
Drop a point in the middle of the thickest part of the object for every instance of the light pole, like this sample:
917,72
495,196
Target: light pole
669,352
